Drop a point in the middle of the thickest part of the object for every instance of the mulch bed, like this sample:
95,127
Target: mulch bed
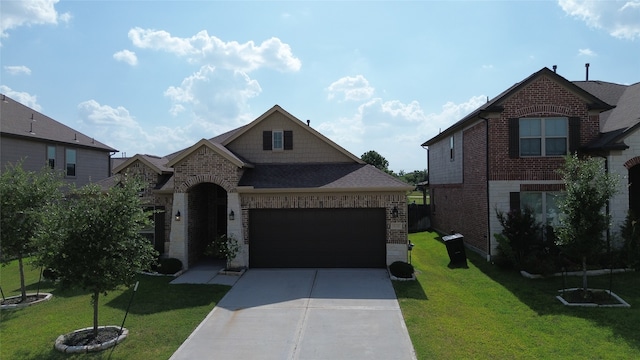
86,338
579,296
18,300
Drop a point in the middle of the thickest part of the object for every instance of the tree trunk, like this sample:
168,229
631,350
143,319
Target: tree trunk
23,288
584,274
94,298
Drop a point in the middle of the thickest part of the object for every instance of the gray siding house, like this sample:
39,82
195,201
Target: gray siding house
37,140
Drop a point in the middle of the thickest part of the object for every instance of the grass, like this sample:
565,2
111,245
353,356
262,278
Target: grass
483,312
416,196
161,317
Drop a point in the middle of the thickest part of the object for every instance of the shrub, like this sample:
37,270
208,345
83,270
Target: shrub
521,236
49,274
401,269
169,266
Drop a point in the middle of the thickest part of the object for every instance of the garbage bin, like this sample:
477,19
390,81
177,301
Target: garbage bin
455,249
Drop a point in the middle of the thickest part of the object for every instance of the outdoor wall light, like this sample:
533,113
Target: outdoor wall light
232,216
178,216
394,212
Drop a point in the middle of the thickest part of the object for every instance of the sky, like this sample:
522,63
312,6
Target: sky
154,77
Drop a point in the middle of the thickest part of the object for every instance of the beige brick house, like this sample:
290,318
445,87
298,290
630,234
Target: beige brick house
291,196
504,155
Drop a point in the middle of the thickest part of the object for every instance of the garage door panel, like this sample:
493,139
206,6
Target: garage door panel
317,238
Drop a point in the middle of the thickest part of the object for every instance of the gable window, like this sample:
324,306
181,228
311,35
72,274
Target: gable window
51,157
70,161
451,149
543,136
277,140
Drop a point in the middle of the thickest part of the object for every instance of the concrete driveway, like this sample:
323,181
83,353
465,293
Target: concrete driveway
304,314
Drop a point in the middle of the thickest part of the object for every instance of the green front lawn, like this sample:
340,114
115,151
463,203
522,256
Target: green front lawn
161,317
484,312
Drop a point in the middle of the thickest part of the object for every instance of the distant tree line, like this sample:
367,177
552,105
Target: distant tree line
374,158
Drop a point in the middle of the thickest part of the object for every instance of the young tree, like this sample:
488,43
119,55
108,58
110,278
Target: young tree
93,240
23,195
588,189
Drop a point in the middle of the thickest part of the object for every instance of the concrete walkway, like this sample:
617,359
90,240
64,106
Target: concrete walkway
304,314
206,272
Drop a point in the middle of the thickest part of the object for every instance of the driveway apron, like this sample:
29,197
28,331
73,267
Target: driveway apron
304,314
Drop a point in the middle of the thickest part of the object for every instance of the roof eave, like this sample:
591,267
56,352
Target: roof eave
377,189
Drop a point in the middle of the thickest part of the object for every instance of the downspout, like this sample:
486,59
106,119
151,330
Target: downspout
486,154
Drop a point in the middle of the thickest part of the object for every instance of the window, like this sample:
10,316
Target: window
543,136
277,140
51,156
544,206
451,149
70,160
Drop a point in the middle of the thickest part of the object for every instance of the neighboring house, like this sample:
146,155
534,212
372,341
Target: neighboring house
288,194
504,155
38,141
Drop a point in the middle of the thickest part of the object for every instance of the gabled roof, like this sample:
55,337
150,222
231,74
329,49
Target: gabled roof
227,138
318,177
155,163
594,102
216,147
22,121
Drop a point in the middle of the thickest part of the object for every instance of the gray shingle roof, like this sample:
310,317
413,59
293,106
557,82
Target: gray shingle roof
19,120
617,123
324,176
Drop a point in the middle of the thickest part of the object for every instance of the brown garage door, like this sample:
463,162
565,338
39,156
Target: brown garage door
317,238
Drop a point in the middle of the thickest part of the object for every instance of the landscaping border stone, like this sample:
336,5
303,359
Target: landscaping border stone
575,273
45,297
60,346
622,303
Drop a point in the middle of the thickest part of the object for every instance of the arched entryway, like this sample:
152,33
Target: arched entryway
207,220
634,189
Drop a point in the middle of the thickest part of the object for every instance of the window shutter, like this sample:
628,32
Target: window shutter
514,138
574,134
514,201
288,140
266,140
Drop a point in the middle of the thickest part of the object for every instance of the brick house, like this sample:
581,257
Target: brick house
291,196
37,140
505,154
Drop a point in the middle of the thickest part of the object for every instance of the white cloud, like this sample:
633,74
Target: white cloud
119,129
586,52
22,97
203,48
369,129
354,88
18,69
126,56
620,18
216,99
32,12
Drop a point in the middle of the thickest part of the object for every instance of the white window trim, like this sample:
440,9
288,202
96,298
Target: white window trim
273,140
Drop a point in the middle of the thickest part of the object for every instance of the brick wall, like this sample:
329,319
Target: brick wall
474,227
205,165
541,98
150,177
